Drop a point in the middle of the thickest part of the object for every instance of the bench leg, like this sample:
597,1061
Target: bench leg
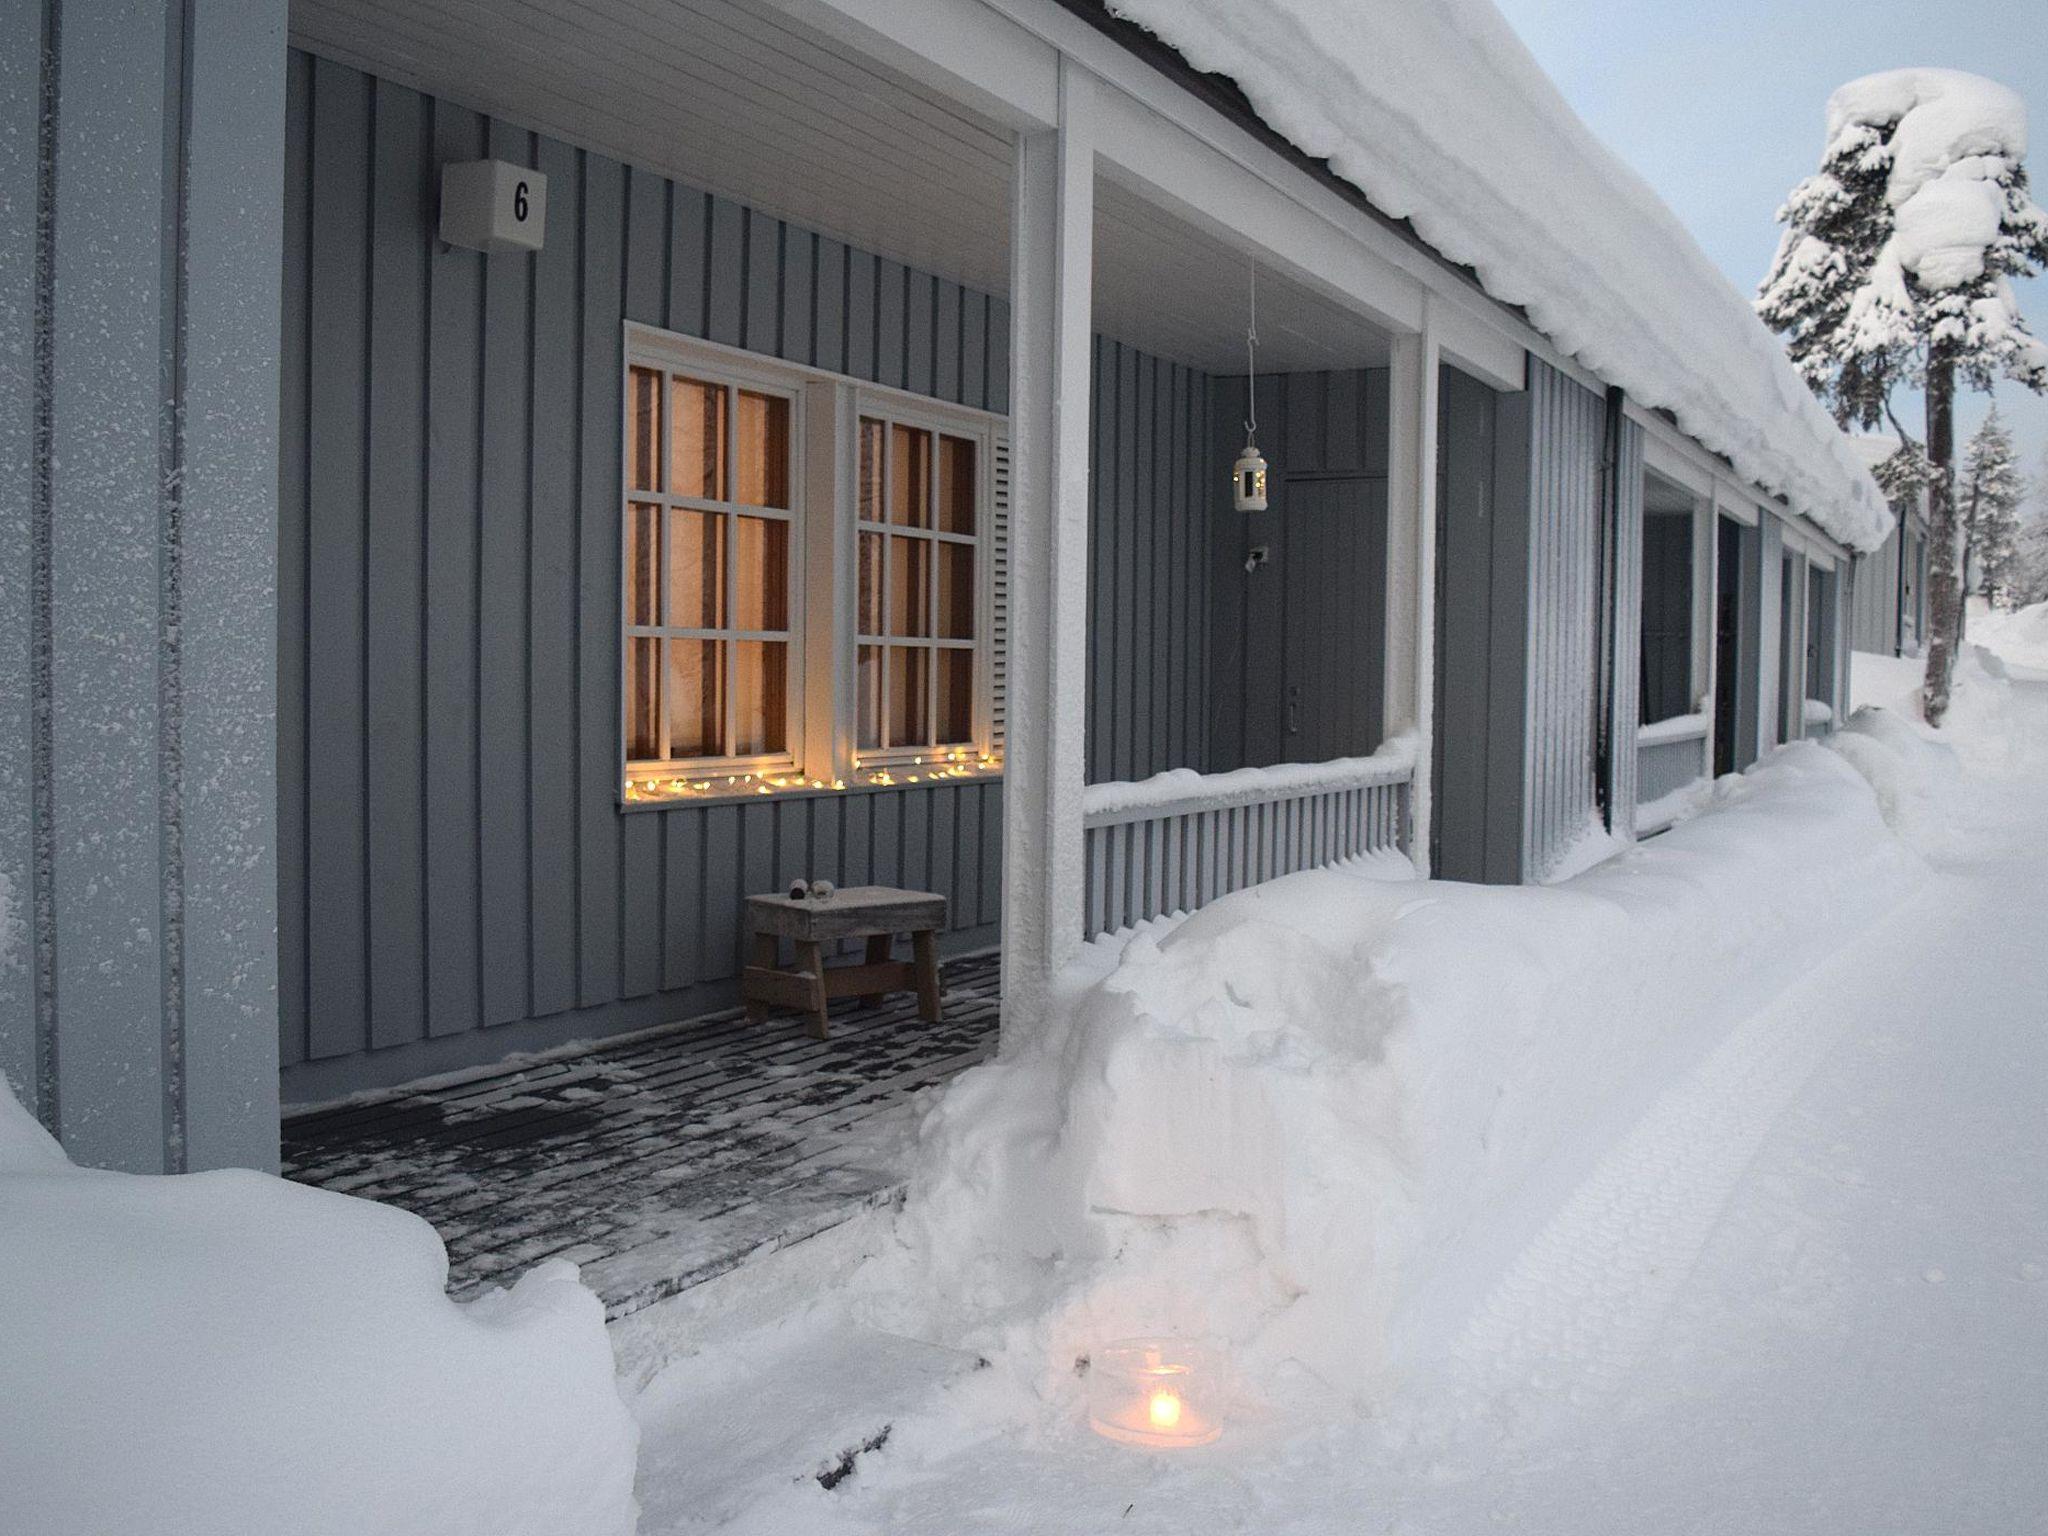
879,947
925,947
764,956
811,958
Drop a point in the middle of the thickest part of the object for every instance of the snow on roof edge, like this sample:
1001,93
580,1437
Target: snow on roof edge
1548,218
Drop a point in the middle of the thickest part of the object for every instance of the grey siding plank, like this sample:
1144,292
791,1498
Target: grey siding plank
799,295
337,964
829,280
294,475
396,531
598,597
999,356
892,350
503,595
454,403
551,618
974,349
682,908
763,282
647,249
920,341
860,314
689,246
725,317
946,341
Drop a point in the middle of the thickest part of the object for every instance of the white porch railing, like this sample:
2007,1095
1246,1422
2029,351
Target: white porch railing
1671,756
1177,841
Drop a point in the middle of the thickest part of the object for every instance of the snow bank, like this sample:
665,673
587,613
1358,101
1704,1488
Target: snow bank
1305,1121
1436,111
228,1354
2019,637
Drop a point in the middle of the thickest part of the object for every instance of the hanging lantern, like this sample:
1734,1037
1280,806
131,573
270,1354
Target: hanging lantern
1153,1392
1249,480
1248,477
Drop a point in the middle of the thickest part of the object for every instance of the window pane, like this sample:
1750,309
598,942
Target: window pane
696,449
696,569
911,476
871,490
763,450
956,485
910,580
761,573
643,699
696,698
956,697
956,590
909,669
643,564
868,686
760,694
643,430
868,585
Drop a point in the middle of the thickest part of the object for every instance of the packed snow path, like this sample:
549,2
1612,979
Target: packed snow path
1807,1291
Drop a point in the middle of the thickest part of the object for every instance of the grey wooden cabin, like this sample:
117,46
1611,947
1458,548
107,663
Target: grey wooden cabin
340,552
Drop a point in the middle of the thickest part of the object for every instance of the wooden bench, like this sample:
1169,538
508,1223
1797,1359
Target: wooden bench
876,913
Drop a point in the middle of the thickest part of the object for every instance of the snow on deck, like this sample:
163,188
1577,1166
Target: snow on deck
661,1160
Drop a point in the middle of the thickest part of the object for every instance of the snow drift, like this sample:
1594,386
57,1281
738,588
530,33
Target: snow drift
228,1354
1436,111
1311,1121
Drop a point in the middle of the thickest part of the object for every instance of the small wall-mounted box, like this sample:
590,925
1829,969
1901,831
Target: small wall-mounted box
489,205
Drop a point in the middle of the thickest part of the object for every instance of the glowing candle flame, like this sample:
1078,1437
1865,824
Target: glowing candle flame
1164,1410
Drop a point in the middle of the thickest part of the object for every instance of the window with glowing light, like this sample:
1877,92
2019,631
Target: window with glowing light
918,606
712,548
814,578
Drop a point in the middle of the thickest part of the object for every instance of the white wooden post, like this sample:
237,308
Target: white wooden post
1044,771
1411,561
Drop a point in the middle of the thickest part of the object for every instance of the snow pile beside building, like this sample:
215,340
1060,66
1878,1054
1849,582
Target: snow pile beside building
1437,112
2019,637
227,1353
1304,1121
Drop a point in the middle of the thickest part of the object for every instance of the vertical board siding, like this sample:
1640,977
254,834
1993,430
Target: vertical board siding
1297,671
1148,625
1626,702
1567,428
456,878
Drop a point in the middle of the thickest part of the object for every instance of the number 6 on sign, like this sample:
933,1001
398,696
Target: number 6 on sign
490,205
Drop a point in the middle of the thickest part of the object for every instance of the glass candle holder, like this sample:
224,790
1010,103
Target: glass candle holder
1159,1393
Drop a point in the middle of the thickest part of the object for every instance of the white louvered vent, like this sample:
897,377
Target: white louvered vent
999,599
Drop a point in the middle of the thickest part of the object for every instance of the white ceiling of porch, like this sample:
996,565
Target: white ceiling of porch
742,100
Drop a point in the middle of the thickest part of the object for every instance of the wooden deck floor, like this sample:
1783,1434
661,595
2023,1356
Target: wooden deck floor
660,1159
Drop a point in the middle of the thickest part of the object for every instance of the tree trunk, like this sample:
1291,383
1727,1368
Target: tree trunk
1944,582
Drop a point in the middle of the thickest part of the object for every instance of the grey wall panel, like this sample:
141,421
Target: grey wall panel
140,167
1481,622
1874,612
1625,702
1566,438
457,879
1295,667
1148,614
25,1041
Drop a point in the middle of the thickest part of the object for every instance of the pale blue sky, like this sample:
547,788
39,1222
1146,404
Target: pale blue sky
1720,106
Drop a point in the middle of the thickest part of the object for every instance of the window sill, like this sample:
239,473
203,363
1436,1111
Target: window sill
869,782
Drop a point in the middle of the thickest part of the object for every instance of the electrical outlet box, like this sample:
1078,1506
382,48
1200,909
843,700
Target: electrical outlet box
491,205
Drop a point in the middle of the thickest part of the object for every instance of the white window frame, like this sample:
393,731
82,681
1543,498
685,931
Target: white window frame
678,355
826,409
894,408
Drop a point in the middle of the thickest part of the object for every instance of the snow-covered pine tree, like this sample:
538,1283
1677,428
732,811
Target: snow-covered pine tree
1989,510
2030,565
1895,270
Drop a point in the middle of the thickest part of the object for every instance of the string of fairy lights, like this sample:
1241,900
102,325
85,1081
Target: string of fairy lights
939,768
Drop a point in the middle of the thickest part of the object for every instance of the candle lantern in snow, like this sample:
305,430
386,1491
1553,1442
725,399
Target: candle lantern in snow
1249,489
1153,1392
